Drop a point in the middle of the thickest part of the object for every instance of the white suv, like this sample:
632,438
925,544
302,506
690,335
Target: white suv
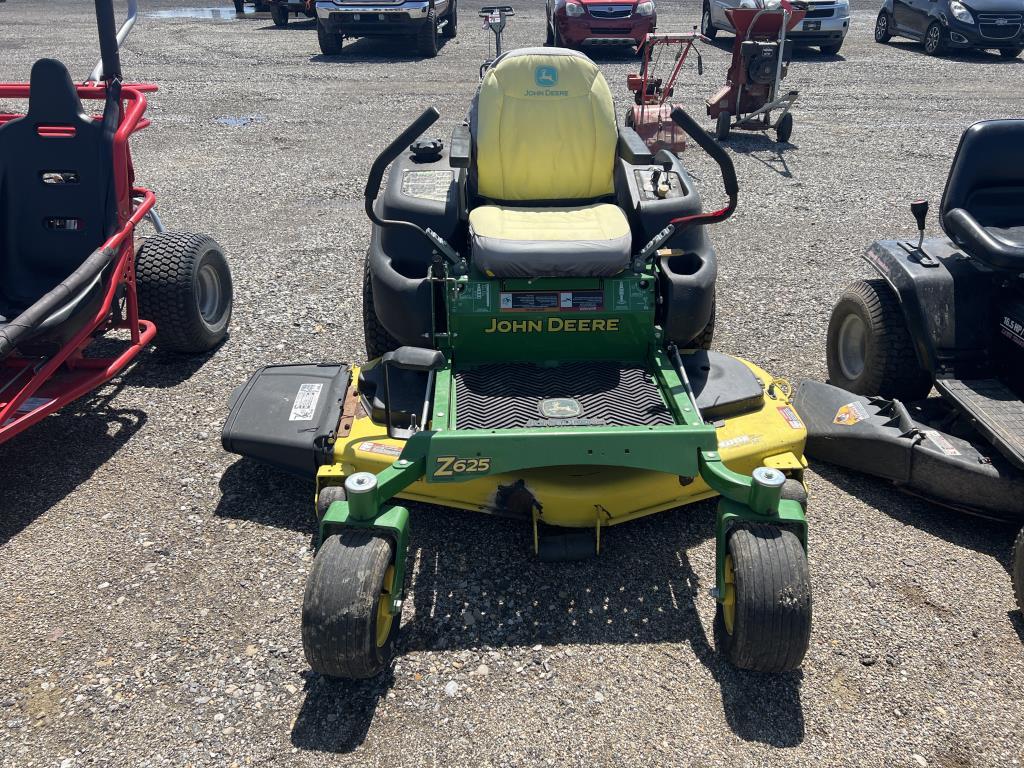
825,25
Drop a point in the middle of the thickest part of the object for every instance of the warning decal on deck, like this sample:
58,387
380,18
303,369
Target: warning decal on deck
382,448
790,416
850,414
304,407
941,442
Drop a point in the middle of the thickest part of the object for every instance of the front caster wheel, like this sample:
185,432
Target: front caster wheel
764,615
348,630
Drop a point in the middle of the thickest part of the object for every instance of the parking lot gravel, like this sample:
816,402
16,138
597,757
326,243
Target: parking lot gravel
150,584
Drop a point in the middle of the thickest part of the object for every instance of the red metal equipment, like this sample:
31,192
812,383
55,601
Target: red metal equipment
760,58
651,115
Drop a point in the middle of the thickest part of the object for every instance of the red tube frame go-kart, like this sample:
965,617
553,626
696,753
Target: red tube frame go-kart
194,293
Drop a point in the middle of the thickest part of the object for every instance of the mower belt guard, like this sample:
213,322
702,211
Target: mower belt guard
287,416
881,438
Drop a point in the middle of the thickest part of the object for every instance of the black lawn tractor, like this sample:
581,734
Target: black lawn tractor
72,270
538,311
946,312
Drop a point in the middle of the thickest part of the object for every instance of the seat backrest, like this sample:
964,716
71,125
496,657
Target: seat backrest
544,128
987,176
57,197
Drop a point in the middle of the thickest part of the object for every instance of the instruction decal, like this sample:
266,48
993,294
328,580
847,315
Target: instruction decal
380,448
941,442
787,412
304,407
552,301
850,414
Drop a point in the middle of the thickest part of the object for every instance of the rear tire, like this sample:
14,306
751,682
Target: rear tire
330,42
184,286
426,38
239,6
378,340
934,43
869,349
279,13
451,29
707,26
883,27
346,631
722,126
703,339
1010,53
784,129
831,50
1017,570
768,583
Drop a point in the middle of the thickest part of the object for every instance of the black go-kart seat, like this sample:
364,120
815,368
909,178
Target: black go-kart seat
982,208
57,199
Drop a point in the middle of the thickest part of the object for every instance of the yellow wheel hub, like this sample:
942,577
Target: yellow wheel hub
729,596
384,617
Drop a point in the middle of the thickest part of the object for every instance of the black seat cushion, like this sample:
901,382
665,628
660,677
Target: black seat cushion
57,197
982,208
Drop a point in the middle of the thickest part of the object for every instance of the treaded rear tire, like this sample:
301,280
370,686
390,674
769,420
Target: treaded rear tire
1017,570
891,368
279,13
330,42
772,628
426,37
376,336
168,269
340,605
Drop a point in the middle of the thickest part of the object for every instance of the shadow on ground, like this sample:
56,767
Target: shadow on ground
474,583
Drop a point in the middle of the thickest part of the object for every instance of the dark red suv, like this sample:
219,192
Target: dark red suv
574,23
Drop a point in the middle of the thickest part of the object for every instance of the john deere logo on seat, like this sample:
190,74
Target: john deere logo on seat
560,408
545,77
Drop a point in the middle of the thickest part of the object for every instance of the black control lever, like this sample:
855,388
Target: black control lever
919,208
373,182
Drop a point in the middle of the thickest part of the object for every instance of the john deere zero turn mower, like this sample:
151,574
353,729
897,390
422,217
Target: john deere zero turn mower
538,311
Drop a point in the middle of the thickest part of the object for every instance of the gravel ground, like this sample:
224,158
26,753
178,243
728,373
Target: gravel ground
150,584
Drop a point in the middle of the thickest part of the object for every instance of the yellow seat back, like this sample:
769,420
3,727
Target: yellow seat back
545,128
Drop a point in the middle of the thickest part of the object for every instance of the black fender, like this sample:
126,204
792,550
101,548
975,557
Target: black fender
402,303
946,300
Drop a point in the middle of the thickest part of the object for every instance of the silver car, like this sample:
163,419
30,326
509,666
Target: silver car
825,25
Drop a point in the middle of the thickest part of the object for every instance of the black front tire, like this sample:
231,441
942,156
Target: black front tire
343,632
831,50
184,286
883,27
707,26
426,38
279,13
330,42
869,349
722,126
1010,53
771,590
378,340
239,6
934,39
785,128
451,28
1017,570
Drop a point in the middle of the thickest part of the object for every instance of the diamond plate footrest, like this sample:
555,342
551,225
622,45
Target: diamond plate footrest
996,410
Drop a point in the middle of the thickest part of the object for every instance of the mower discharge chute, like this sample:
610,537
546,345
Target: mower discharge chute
69,268
946,312
760,60
538,318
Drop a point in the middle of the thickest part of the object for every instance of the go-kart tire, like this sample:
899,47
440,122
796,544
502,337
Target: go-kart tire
330,42
426,38
1010,53
239,6
1017,570
771,590
868,349
346,631
378,340
883,27
451,29
934,42
784,129
707,26
722,126
184,286
279,13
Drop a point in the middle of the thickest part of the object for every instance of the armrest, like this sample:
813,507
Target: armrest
632,148
461,146
980,243
415,359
